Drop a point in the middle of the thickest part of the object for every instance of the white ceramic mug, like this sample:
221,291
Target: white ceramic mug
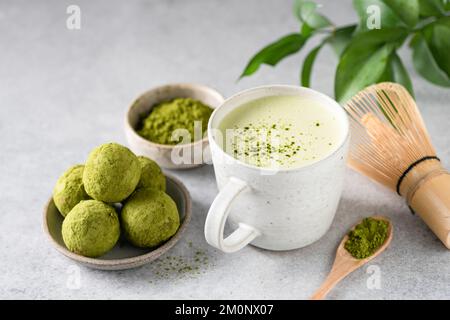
281,210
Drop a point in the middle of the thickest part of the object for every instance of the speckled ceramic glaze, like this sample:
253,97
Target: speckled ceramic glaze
274,209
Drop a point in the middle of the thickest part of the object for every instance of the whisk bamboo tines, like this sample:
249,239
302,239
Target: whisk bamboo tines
390,144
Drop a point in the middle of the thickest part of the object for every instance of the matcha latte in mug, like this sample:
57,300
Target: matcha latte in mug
279,156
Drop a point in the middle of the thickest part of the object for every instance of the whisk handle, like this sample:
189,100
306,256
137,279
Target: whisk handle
431,200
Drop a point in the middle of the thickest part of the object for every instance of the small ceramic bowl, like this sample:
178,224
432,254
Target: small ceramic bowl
162,153
123,255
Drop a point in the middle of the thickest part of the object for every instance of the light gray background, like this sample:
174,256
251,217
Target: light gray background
63,92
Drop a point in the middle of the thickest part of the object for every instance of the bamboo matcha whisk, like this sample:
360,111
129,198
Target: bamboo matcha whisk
390,144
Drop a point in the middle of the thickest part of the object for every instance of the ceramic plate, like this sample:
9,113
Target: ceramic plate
123,255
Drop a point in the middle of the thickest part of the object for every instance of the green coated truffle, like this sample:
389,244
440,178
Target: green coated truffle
69,189
152,175
91,228
111,173
149,217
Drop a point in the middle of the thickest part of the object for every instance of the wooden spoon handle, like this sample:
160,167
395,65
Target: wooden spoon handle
329,283
341,268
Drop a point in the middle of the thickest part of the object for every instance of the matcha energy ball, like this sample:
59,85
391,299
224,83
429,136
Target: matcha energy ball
91,228
152,175
111,173
149,217
69,189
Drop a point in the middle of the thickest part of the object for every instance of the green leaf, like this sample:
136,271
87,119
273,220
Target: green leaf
447,5
306,12
368,18
400,74
396,72
430,8
274,52
365,60
306,30
425,63
377,37
308,64
350,80
340,38
437,36
407,10
297,9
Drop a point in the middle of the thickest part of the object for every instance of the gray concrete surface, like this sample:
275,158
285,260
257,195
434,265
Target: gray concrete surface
65,91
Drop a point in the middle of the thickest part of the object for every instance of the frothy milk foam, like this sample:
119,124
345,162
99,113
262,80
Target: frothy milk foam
281,132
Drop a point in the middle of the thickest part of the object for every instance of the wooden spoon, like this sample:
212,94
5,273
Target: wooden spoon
345,263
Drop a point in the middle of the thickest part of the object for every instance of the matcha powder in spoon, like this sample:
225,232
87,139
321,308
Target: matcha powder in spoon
367,237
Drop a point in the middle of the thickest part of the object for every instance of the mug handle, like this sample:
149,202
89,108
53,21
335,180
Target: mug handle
217,216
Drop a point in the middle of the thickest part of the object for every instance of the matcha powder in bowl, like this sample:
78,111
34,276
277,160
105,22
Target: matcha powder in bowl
179,113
